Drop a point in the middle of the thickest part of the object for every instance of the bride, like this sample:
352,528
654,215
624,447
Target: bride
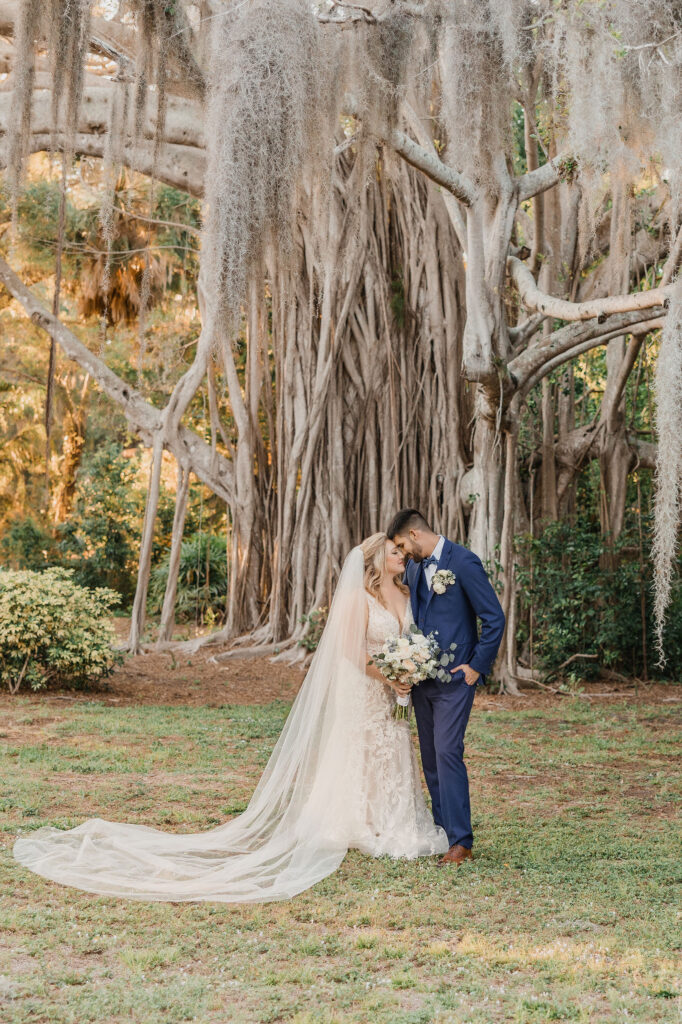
343,774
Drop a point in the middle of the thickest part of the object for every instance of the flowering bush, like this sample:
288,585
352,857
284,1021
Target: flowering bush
52,631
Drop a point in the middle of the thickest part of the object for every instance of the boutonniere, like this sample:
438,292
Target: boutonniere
442,579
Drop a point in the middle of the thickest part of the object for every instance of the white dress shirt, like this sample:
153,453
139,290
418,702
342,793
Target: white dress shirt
430,570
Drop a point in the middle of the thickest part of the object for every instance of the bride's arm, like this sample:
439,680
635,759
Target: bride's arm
371,670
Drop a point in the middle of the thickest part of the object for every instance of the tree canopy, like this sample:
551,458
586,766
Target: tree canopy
421,221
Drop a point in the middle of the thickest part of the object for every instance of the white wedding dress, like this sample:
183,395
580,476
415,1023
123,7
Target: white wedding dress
392,817
342,774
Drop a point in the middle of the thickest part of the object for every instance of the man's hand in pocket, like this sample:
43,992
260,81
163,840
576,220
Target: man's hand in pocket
471,676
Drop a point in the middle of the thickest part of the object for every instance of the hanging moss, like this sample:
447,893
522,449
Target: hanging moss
271,113
27,27
669,459
70,36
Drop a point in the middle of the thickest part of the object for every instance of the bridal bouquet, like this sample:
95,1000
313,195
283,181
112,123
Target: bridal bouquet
413,658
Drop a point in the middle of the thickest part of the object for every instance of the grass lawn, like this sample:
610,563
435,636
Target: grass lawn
567,913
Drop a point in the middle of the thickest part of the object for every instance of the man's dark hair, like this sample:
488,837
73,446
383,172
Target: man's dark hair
407,519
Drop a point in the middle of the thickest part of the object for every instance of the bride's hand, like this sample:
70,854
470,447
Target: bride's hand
401,686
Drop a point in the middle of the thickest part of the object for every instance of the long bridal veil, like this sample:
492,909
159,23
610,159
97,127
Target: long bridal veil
295,828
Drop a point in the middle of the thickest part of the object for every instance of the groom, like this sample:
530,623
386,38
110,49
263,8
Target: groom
448,608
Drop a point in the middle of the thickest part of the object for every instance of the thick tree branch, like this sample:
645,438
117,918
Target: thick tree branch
520,334
182,123
181,159
433,168
584,443
646,452
346,13
674,258
611,407
180,166
118,42
534,298
112,34
564,344
424,139
586,346
542,178
192,451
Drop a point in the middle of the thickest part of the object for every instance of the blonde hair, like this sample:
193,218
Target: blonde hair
374,551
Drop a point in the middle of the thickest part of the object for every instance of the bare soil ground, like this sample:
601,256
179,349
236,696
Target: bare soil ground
173,678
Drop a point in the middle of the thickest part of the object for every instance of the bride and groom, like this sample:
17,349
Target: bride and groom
343,773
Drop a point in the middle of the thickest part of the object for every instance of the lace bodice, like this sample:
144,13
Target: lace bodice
384,810
382,623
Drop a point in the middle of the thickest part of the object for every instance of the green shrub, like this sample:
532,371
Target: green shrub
27,545
581,607
52,631
316,620
101,538
202,580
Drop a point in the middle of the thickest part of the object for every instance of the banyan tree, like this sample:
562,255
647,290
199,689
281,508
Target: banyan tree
414,214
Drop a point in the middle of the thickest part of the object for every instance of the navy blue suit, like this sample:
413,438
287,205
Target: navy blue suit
442,709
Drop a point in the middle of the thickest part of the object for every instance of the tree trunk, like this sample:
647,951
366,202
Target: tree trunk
73,443
167,623
615,456
485,484
139,612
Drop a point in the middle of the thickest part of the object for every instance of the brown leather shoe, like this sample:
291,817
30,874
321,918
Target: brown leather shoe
457,854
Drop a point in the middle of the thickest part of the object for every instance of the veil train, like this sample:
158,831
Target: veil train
295,829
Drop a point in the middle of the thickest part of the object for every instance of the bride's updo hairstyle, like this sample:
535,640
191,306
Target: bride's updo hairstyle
374,552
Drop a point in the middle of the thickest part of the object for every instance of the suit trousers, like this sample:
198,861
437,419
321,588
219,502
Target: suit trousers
442,713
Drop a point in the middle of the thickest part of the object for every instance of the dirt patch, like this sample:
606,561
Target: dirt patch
162,678
196,680
199,679
169,679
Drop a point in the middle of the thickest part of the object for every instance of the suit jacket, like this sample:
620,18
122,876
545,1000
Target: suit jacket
451,616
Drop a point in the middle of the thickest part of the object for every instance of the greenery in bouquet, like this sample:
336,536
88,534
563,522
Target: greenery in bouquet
413,658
